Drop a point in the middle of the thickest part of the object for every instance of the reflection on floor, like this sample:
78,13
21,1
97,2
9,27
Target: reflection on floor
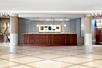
50,57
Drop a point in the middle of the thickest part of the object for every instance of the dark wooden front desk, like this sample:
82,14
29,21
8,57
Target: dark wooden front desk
50,39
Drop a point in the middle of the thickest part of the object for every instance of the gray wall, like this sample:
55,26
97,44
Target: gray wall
28,25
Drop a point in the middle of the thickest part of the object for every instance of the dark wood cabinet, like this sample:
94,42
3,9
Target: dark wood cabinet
98,36
50,39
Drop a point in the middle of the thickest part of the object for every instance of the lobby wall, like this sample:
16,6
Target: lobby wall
28,25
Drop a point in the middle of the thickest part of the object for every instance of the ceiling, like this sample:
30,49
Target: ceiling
34,15
51,5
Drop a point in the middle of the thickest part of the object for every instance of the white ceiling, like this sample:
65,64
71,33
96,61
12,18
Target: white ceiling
51,5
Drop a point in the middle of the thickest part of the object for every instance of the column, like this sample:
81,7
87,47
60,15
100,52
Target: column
88,33
13,32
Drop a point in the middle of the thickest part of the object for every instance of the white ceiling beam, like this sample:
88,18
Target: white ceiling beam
15,12
66,12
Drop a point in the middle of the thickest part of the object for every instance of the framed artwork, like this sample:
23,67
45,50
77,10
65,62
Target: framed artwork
49,28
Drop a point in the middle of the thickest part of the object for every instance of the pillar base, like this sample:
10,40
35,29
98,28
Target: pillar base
13,42
88,42
14,39
88,39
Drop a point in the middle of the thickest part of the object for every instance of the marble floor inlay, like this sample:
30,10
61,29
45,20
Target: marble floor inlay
26,56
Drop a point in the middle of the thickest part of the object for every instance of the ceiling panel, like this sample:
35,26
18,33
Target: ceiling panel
50,5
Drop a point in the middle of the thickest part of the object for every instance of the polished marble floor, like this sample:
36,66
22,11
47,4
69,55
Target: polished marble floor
51,57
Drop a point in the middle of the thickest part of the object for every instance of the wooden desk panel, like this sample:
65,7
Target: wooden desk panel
73,39
50,39
58,39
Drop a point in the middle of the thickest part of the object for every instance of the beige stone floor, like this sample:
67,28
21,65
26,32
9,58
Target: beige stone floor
51,57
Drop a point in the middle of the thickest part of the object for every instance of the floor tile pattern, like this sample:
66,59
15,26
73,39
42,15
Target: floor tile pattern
27,56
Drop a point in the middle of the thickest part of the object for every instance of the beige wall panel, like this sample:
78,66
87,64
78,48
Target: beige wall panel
14,24
88,24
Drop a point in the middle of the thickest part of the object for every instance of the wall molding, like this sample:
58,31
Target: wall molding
19,12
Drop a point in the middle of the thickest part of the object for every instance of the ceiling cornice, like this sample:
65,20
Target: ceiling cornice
15,12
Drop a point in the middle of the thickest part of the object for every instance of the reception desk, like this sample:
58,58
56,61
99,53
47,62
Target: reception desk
50,39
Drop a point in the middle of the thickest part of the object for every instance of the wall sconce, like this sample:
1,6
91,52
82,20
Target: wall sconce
37,25
65,25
